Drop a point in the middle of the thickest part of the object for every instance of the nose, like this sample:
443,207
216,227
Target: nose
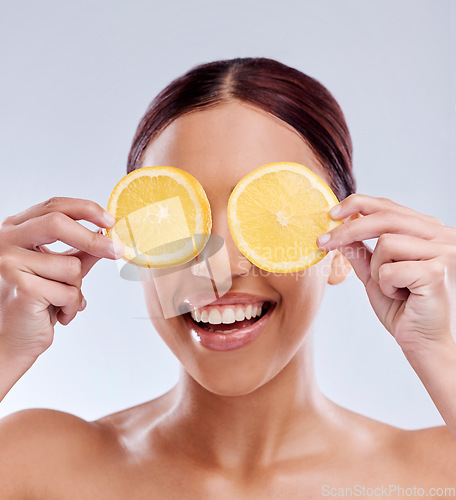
239,264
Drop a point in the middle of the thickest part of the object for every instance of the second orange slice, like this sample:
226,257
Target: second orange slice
276,213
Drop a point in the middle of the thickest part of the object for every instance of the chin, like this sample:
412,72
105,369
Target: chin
231,386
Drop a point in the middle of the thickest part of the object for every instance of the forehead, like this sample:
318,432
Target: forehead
226,142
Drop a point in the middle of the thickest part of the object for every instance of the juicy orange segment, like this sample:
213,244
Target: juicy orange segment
277,212
163,216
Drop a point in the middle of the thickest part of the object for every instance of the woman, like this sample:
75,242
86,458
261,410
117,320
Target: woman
248,422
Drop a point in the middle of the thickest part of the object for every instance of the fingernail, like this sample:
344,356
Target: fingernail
83,304
335,210
117,248
110,219
324,238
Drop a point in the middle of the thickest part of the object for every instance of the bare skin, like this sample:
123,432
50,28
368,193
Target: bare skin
250,423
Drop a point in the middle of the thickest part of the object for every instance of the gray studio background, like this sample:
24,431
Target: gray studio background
77,76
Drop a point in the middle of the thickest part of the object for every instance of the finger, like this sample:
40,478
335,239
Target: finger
75,208
62,268
400,247
359,255
419,277
87,260
372,226
57,226
366,205
68,298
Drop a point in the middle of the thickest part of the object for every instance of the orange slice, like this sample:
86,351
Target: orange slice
276,213
163,216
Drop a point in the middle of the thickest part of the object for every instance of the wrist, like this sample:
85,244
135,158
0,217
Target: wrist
435,364
11,355
12,367
430,352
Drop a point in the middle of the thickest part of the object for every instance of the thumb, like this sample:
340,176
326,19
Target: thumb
87,260
358,254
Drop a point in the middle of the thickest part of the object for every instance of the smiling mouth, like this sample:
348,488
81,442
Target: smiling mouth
227,328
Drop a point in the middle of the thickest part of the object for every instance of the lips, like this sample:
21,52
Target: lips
199,300
238,338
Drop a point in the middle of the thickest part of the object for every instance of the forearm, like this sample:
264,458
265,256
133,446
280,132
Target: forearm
436,368
12,367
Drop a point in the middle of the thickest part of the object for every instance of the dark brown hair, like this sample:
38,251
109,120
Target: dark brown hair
294,97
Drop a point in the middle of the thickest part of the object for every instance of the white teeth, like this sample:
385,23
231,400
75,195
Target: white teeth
228,316
215,317
240,315
230,331
195,314
227,331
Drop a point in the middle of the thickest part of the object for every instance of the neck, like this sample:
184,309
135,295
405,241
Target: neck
273,422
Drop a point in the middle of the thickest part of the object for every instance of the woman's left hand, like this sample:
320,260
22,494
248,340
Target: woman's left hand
410,276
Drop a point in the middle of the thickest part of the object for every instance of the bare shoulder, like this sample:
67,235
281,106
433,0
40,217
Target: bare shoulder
436,443
45,453
423,455
38,448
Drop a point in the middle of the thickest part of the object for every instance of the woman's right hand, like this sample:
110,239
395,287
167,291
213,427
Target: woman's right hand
39,287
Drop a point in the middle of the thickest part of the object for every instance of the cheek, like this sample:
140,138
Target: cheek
169,329
301,295
152,301
160,301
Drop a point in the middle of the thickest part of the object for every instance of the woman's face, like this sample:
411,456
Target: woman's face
219,146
